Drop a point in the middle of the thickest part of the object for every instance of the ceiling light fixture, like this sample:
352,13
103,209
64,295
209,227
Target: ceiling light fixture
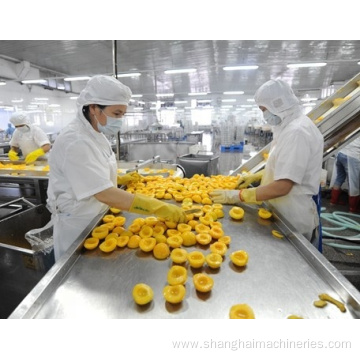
77,78
2,83
129,75
37,81
136,95
179,71
180,102
228,100
241,67
306,65
196,94
308,99
233,92
165,95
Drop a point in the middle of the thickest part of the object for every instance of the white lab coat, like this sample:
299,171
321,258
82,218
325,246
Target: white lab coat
82,164
29,141
296,154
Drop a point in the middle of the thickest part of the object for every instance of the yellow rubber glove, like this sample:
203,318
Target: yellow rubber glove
31,157
225,196
146,205
125,179
248,179
249,196
13,156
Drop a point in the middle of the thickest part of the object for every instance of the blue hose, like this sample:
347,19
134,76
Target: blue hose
342,220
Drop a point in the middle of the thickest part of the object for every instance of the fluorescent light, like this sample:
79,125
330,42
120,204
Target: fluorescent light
359,63
17,101
308,99
233,92
196,94
129,75
180,102
179,71
41,99
241,67
227,106
37,81
138,108
2,83
306,65
136,95
77,78
309,104
164,95
228,100
204,100
73,97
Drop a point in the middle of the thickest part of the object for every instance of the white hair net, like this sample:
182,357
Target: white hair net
104,90
19,118
276,95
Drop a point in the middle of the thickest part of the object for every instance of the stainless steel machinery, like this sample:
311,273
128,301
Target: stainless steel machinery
21,267
283,277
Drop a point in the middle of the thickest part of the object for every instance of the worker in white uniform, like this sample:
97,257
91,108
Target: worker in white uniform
292,173
347,166
83,169
30,139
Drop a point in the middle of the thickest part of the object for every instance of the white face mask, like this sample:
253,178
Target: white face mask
23,129
271,118
112,126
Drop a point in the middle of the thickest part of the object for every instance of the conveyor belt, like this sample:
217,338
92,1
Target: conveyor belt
283,277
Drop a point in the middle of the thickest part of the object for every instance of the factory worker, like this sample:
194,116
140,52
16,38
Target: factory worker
30,139
292,173
347,166
9,131
83,168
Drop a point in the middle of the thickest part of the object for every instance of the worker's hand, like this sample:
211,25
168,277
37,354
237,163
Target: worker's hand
31,157
13,156
248,179
146,205
125,179
249,196
225,196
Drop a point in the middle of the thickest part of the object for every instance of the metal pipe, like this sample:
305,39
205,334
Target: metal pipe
115,70
17,200
115,59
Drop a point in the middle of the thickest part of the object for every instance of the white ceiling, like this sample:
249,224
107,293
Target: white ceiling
61,58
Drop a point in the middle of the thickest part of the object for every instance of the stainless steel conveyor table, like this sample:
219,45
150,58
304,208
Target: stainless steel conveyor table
283,277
